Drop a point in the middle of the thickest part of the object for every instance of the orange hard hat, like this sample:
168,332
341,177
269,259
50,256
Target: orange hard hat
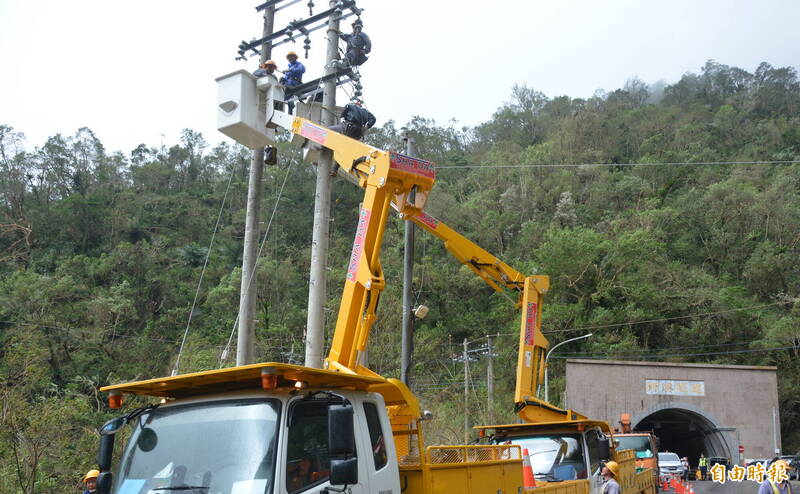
269,62
291,53
91,474
613,466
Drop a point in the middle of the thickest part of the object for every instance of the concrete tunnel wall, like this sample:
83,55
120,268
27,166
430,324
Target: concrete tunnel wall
735,406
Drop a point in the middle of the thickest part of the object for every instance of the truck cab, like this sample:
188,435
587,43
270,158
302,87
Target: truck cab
283,438
253,442
645,447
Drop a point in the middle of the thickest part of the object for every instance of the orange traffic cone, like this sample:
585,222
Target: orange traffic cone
691,489
664,485
528,480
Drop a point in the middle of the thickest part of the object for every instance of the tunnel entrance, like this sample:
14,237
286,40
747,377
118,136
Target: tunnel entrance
686,433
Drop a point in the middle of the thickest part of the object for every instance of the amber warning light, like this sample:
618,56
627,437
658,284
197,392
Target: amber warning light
269,381
115,399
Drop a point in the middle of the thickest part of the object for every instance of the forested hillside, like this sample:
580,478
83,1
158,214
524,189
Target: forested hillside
690,256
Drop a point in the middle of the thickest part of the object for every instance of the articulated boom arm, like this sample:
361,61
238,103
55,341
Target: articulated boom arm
492,270
387,178
530,289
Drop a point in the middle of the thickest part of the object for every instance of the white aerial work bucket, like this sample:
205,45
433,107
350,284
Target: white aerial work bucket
238,116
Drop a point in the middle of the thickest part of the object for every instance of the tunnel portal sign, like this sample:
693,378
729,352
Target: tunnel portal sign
675,388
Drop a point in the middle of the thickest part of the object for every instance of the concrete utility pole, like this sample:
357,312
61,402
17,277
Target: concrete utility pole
247,296
490,381
466,392
322,210
407,340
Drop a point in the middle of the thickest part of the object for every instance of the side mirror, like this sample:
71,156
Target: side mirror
605,448
104,481
106,452
112,426
341,436
344,472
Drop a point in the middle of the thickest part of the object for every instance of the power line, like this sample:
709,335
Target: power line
203,273
704,354
608,165
647,321
652,349
224,353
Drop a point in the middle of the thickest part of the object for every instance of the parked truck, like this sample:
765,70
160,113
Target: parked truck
288,429
566,450
275,428
643,443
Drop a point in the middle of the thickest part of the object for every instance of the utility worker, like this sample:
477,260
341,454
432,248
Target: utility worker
702,464
90,481
609,472
267,68
782,487
293,75
358,45
355,118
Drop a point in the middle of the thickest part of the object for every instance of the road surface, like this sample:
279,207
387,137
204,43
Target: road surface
743,487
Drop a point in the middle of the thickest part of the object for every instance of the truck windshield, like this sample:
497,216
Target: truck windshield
225,447
555,457
640,444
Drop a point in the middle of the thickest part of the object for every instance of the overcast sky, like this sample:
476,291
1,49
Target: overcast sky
139,72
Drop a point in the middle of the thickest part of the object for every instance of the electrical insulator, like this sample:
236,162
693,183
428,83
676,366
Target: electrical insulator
307,45
270,155
310,7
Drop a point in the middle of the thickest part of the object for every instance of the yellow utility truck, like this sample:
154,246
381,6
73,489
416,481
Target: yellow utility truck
275,428
565,449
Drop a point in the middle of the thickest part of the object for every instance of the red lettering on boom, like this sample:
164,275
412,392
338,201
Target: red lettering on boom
530,323
428,220
313,132
408,164
358,244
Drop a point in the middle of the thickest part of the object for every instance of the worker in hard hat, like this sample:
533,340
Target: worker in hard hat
293,75
355,119
267,68
90,481
610,472
358,44
777,479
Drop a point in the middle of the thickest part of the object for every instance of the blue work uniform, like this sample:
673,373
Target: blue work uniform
293,75
768,487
